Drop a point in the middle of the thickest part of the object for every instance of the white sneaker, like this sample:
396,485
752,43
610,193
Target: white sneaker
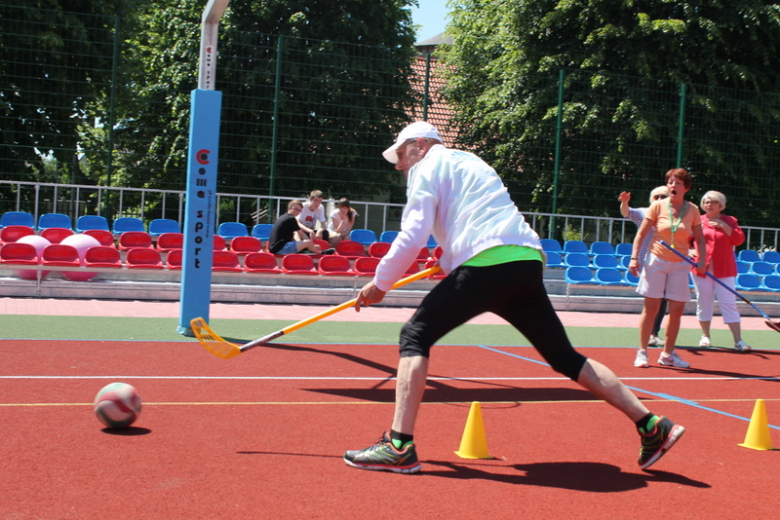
704,341
655,341
641,359
741,346
672,360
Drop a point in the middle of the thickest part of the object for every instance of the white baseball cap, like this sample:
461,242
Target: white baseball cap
413,131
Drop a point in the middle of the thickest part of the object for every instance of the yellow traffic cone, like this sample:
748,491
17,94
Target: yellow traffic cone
758,437
473,444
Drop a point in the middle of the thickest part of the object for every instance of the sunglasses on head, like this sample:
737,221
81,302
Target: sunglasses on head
660,197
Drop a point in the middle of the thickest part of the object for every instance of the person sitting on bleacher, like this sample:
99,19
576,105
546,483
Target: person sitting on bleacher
282,240
342,219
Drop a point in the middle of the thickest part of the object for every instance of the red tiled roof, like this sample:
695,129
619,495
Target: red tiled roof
438,113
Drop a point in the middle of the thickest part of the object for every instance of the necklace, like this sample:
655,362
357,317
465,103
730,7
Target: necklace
674,225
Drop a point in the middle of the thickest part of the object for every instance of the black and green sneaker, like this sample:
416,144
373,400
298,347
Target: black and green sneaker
383,456
658,441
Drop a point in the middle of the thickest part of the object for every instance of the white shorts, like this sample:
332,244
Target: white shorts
664,279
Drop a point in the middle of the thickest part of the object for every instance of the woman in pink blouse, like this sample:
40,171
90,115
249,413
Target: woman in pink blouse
721,234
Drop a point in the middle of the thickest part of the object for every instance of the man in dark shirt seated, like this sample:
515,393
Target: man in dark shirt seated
282,240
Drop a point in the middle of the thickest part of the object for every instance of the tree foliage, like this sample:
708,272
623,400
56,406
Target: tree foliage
625,62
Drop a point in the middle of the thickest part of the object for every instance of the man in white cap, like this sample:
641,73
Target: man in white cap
494,263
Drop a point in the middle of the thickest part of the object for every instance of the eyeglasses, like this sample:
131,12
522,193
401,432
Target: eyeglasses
660,197
297,208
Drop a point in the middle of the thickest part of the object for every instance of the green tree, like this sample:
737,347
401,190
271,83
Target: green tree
344,87
624,63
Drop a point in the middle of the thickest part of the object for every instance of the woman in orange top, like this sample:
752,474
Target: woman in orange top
665,275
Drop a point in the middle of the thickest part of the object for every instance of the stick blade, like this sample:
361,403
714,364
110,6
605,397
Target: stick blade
212,341
773,324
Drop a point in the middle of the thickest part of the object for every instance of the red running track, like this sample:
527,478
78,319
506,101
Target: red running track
261,435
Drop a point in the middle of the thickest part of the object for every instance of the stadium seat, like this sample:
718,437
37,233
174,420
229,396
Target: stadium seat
350,249
159,226
575,246
169,241
424,255
437,276
554,259
550,244
379,249
334,265
579,275
102,256
261,263
431,243
86,222
14,232
412,269
388,236
124,224
262,232
602,248
624,262
748,282
15,253
17,218
609,276
366,266
773,257
246,245
624,249
437,252
743,267
748,255
322,244
55,235
134,240
298,264
577,260
101,235
54,220
771,283
231,230
630,278
143,258
225,261
363,236
60,255
219,243
605,260
173,259
762,268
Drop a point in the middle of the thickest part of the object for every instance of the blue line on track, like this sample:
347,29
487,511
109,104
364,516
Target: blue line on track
669,397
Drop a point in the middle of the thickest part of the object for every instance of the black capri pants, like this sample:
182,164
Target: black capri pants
514,291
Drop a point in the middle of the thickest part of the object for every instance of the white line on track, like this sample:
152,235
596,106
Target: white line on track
325,378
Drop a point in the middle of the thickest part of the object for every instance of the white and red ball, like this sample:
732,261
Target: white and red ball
81,243
117,405
39,243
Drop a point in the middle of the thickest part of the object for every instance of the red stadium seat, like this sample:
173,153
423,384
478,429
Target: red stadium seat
104,237
143,258
225,261
350,249
102,256
13,233
437,252
173,259
135,240
379,249
21,254
298,264
170,241
61,255
261,263
414,268
366,266
438,276
246,245
334,265
219,243
55,235
423,256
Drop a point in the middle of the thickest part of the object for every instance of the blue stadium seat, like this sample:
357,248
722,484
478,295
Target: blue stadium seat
17,218
609,276
550,244
631,279
365,237
748,282
86,222
773,257
743,267
771,283
575,246
579,275
624,249
159,226
602,248
230,230
748,255
388,236
762,268
123,224
262,232
577,260
54,220
431,243
606,260
554,259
